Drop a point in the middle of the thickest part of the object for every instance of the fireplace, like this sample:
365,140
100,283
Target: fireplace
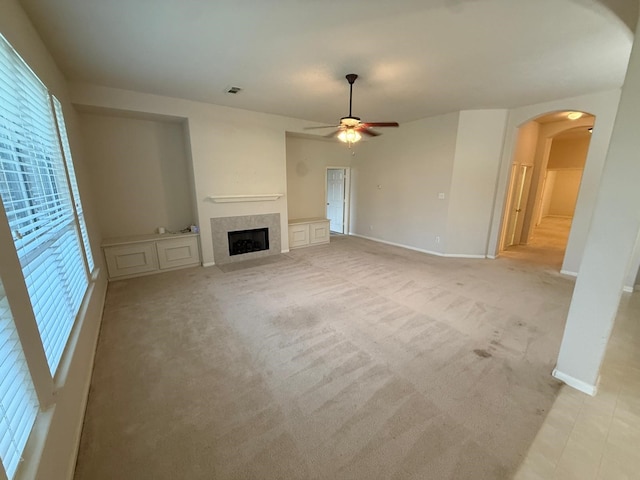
250,247
247,241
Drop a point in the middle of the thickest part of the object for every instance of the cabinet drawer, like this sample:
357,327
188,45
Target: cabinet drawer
131,259
178,252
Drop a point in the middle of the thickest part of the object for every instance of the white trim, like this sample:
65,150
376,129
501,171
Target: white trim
462,255
396,244
87,384
245,198
573,382
421,250
569,272
208,264
492,257
284,251
627,289
95,274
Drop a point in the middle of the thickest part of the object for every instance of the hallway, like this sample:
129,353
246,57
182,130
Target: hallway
547,244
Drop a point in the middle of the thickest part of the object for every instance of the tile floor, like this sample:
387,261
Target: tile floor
584,437
596,438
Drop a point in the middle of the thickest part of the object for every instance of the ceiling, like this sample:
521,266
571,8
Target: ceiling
415,58
577,133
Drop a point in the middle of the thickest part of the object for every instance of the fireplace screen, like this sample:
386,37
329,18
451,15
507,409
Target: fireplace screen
245,241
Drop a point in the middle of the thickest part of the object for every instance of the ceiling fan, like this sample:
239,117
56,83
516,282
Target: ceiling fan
350,129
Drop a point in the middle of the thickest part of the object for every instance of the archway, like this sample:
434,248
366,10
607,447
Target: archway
546,171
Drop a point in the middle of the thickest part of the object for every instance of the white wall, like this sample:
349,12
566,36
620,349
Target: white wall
52,448
564,173
569,152
604,106
547,192
525,147
307,162
473,184
609,246
396,179
139,174
233,152
565,192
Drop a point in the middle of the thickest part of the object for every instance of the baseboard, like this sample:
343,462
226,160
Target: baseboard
628,289
573,382
284,251
393,244
569,272
492,257
208,264
416,249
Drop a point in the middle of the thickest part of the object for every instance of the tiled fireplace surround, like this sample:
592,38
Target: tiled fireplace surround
220,226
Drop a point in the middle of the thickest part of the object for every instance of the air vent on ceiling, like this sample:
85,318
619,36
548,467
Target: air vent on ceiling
233,90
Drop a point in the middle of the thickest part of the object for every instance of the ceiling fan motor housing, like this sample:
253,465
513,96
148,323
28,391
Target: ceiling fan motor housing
350,121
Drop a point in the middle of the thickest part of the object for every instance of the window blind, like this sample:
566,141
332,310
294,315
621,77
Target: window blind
66,150
38,203
18,401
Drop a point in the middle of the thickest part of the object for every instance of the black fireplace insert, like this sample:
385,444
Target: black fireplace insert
246,241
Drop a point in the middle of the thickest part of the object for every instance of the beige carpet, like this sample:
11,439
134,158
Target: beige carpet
352,360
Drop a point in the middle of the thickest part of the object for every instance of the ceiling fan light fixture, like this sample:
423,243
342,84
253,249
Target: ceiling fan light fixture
351,129
349,135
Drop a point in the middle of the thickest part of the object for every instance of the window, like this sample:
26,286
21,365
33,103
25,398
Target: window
66,149
37,199
18,402
40,197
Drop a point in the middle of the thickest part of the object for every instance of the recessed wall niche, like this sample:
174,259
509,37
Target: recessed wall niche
140,172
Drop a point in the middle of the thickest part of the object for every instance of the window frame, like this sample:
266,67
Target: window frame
44,379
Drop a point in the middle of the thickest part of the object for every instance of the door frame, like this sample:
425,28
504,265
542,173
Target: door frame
513,221
346,217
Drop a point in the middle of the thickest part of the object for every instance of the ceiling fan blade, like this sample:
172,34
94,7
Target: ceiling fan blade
324,126
380,124
332,134
371,133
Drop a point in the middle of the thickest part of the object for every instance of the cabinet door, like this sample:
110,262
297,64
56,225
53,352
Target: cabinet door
178,252
319,232
298,235
131,259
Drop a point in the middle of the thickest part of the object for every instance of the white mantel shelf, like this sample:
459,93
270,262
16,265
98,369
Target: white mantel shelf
265,197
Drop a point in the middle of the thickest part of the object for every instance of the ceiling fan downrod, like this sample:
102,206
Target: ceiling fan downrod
351,77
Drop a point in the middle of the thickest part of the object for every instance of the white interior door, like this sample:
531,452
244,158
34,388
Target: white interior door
518,202
335,198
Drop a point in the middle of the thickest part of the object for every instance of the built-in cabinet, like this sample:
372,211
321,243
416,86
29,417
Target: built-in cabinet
304,232
145,254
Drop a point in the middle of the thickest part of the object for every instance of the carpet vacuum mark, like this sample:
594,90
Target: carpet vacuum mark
352,360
